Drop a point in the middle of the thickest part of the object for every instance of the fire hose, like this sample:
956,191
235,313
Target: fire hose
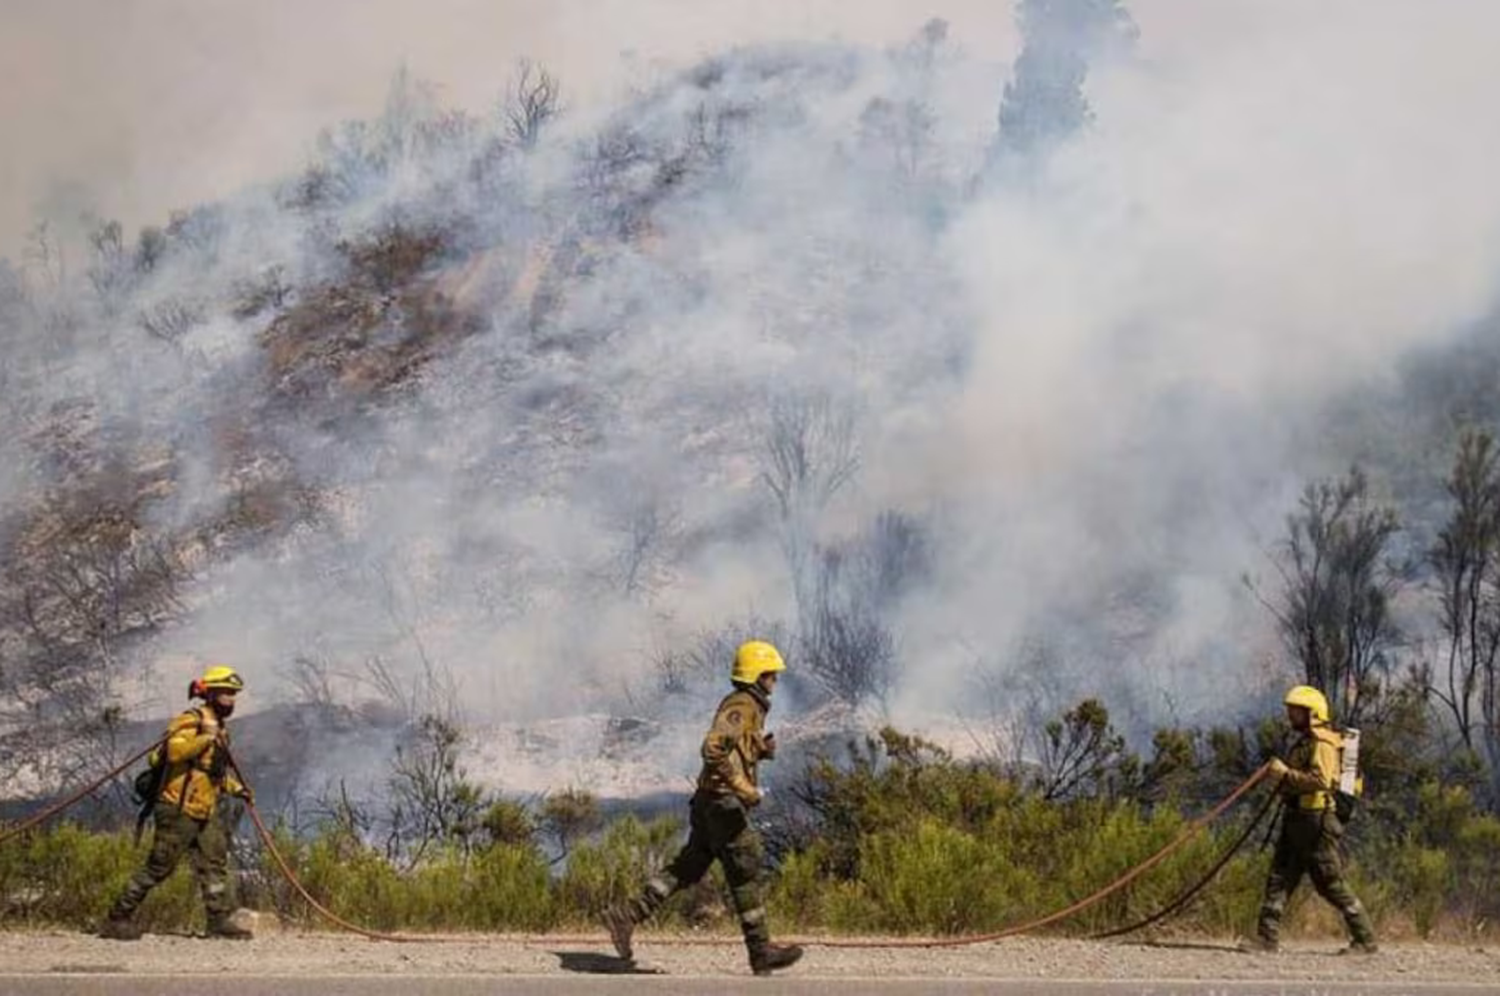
291,877
1188,832
77,797
1188,894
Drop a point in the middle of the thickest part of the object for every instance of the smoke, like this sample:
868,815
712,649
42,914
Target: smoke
1238,238
154,107
1094,387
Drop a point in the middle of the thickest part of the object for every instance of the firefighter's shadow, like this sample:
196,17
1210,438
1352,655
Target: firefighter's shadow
1182,946
593,963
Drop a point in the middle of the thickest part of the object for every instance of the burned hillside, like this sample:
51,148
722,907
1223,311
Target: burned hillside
524,414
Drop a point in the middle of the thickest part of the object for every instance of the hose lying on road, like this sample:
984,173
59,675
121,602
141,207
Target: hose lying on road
1187,895
50,811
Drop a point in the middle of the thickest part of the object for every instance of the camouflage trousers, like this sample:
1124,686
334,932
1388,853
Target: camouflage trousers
1309,845
719,830
207,847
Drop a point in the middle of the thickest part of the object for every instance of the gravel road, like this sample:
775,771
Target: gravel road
328,964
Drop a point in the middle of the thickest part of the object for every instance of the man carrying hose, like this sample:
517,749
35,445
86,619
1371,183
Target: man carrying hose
194,771
1310,830
720,826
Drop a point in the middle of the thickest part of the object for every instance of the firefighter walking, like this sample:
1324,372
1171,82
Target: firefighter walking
1311,829
191,773
720,828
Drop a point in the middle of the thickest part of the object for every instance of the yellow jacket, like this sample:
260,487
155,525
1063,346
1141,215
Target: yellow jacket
1314,774
735,744
197,766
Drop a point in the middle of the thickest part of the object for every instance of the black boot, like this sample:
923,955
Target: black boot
120,928
768,958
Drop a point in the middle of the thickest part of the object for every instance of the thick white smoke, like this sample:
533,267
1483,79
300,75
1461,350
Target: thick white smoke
1092,386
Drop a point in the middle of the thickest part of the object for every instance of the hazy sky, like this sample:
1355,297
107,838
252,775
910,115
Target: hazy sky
140,106
146,105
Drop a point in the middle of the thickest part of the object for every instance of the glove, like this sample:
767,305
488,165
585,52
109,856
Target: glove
768,746
1277,769
246,794
751,801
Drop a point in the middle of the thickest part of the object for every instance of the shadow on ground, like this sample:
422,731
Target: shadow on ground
1184,946
593,963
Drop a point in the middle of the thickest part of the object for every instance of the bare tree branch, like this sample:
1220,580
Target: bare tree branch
534,98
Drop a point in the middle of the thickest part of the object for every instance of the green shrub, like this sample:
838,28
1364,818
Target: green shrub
609,870
1422,881
510,888
903,839
935,879
68,876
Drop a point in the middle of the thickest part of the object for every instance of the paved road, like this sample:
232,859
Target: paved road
640,985
50,963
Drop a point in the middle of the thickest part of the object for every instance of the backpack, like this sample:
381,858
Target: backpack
148,784
146,788
1351,782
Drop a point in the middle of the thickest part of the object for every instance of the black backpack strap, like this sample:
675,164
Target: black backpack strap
141,816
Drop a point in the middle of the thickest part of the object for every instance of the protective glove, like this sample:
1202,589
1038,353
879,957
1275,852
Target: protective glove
246,794
753,800
1277,769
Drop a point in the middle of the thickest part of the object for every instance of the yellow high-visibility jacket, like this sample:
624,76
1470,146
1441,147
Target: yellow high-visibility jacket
196,768
1314,774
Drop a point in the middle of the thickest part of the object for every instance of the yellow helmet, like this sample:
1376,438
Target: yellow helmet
219,678
1310,699
754,659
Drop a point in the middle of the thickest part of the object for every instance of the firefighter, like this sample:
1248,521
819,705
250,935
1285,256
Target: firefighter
1311,830
193,774
720,827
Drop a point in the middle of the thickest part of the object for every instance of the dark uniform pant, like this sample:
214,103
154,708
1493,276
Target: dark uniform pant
207,847
1309,845
719,830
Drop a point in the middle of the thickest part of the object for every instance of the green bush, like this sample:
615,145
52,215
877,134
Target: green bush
935,879
1422,880
505,887
68,876
902,839
613,868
